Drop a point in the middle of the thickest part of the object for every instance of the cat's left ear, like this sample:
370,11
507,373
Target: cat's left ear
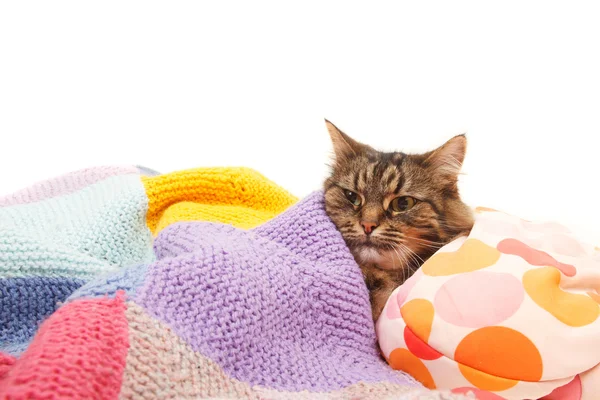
448,159
344,146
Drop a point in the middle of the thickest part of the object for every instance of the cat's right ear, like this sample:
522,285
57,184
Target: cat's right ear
344,146
448,158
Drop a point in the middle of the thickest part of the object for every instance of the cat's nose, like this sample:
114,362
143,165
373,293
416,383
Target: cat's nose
368,226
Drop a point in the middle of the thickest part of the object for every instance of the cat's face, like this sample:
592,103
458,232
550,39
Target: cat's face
394,209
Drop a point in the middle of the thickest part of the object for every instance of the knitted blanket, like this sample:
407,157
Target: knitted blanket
111,288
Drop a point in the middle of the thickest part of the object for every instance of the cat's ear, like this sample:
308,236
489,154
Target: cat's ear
344,146
448,159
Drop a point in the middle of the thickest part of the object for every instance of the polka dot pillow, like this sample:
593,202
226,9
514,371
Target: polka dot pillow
509,312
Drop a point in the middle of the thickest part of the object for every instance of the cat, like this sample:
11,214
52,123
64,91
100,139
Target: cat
394,210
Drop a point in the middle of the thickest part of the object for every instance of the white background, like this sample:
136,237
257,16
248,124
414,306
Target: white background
175,85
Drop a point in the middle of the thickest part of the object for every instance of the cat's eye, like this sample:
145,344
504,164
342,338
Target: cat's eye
352,197
401,204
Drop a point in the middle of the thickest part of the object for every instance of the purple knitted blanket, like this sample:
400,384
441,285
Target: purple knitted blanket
280,311
282,306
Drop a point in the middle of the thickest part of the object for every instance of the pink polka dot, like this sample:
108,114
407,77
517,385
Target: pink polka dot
555,238
479,394
533,256
479,299
408,286
392,310
566,246
544,227
393,305
500,227
571,391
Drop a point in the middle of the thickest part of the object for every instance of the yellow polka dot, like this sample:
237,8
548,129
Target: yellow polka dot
542,285
403,360
471,256
418,316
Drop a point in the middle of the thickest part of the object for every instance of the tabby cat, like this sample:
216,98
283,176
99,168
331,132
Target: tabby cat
394,210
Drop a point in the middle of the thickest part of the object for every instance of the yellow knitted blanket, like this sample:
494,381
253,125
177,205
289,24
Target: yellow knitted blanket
238,196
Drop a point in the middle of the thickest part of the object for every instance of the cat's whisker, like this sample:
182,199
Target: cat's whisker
436,247
407,264
418,256
402,257
446,225
410,253
425,242
453,228
389,235
418,259
394,258
418,239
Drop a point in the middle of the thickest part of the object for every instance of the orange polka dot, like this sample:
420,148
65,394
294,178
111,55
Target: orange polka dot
418,347
542,285
484,209
500,352
418,316
471,256
594,296
403,360
486,381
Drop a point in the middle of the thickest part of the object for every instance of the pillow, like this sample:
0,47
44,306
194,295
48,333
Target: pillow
509,312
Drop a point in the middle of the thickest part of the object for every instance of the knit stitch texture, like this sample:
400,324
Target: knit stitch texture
294,314
210,311
238,196
24,302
